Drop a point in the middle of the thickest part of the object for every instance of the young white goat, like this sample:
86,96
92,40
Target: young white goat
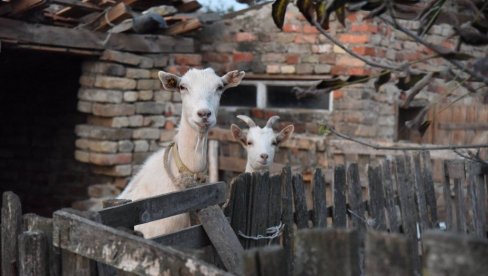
260,143
185,161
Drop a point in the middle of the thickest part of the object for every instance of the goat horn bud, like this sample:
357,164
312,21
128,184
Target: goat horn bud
247,120
271,121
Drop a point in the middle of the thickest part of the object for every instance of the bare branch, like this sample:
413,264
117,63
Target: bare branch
417,88
378,147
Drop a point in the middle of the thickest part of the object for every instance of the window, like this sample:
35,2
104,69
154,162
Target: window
274,94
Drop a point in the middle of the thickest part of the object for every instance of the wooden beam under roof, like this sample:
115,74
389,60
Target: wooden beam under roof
24,33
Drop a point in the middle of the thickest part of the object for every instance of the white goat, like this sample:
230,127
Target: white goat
178,166
260,143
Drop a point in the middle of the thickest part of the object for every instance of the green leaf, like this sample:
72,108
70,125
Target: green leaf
278,11
321,12
306,7
382,79
324,130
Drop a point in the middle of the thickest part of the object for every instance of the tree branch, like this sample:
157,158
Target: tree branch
417,88
378,147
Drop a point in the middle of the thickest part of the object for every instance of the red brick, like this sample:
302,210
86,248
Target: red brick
327,58
366,51
338,94
352,16
169,125
364,28
242,57
292,59
308,29
188,59
305,38
110,159
358,71
354,38
215,57
291,28
338,70
245,36
177,69
349,61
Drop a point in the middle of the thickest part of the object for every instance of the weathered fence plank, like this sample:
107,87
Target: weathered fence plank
387,254
33,222
419,191
274,206
319,200
339,217
357,208
287,217
258,208
376,198
428,181
326,252
408,208
239,205
265,261
477,195
450,254
158,207
301,212
11,228
390,197
102,243
192,237
222,237
73,264
447,193
33,256
456,172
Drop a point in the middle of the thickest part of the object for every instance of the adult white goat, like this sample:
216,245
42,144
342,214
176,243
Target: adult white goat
260,143
184,161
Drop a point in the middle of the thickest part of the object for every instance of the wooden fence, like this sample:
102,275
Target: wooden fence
269,216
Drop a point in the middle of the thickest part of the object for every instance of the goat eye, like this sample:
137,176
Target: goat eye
220,87
274,143
182,87
249,143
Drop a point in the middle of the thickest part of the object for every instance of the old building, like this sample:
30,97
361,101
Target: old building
82,109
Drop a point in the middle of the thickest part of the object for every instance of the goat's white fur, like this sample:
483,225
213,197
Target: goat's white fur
260,143
200,90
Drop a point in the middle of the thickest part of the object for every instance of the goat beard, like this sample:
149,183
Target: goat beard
202,140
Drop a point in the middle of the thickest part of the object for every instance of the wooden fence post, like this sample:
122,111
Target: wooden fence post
390,197
265,261
301,212
11,228
429,188
287,217
376,198
387,254
450,254
339,213
319,200
33,256
477,194
326,252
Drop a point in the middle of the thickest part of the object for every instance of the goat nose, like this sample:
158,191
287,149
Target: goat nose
204,113
264,156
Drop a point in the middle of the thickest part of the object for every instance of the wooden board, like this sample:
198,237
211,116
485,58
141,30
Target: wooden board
390,197
376,198
158,207
301,212
319,200
192,237
339,214
11,228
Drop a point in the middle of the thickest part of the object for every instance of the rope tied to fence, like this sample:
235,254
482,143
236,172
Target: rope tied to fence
271,233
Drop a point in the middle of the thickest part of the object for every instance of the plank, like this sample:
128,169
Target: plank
84,6
312,259
213,162
301,212
387,254
114,202
113,15
20,7
407,206
465,125
11,228
477,193
430,194
33,255
25,33
390,196
450,254
287,217
455,169
267,260
240,205
183,26
419,191
274,204
158,207
376,198
222,237
191,237
257,223
102,243
339,214
73,264
33,222
356,206
319,200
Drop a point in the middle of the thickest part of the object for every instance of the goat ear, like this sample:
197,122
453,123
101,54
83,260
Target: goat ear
284,134
233,78
238,134
170,82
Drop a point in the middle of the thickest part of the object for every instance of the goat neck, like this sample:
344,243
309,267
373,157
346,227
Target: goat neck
192,146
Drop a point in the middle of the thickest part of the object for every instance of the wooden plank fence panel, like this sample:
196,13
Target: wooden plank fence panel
450,254
257,223
419,191
430,194
223,238
158,207
319,200
240,205
33,256
357,208
102,243
339,218
274,206
390,197
387,254
456,172
327,252
448,198
11,228
408,208
301,212
73,264
376,198
287,204
192,237
477,192
271,261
